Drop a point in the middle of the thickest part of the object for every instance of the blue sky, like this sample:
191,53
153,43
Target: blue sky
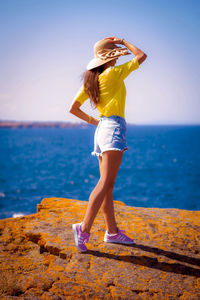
46,45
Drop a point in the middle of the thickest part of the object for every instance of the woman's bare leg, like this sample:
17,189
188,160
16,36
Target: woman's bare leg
108,213
111,161
107,208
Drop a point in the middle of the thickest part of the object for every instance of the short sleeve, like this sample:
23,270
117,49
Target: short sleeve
122,71
81,96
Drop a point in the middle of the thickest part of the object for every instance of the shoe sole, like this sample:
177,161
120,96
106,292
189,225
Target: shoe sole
118,242
76,238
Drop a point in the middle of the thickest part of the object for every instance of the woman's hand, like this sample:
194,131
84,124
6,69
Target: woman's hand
96,122
114,40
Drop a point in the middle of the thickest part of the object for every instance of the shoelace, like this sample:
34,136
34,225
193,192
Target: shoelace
84,240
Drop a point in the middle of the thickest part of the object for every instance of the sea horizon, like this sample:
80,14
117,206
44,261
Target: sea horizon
10,123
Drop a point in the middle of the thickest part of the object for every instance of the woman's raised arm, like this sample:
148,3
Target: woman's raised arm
141,56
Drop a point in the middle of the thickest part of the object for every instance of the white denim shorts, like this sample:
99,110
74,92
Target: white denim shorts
110,134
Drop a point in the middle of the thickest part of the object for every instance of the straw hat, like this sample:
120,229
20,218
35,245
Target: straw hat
104,51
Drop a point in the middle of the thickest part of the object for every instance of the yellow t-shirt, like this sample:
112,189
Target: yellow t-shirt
112,89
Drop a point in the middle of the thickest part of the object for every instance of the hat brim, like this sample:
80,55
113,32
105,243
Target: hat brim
96,62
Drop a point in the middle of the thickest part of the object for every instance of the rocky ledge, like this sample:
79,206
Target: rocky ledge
39,259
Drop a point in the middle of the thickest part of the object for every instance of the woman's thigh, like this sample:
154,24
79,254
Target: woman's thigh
109,165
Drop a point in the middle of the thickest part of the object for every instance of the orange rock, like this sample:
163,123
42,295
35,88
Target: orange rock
39,259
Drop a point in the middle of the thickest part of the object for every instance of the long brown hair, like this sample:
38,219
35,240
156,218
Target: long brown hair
91,84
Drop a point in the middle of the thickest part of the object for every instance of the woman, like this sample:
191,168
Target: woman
104,85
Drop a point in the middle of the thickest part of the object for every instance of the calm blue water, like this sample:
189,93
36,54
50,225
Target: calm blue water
160,169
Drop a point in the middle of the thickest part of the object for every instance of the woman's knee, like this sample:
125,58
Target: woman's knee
107,183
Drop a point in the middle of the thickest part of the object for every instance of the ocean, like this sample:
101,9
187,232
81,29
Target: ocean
160,169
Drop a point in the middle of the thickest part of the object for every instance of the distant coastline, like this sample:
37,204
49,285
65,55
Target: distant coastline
39,124
61,124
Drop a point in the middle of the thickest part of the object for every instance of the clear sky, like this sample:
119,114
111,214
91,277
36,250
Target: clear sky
46,45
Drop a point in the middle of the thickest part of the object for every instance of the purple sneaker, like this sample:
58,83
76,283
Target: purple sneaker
80,237
118,237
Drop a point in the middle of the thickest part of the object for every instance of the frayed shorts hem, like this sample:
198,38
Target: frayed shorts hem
100,154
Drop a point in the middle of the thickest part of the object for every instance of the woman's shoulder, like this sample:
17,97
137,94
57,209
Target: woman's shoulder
132,63
122,71
105,75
